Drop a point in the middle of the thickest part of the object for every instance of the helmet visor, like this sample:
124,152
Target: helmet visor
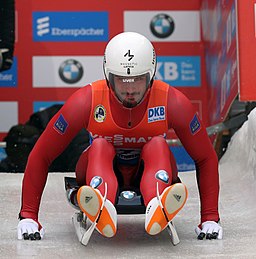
129,90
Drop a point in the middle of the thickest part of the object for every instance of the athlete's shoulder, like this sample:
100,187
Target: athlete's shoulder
88,88
83,92
99,84
80,97
173,92
159,84
176,96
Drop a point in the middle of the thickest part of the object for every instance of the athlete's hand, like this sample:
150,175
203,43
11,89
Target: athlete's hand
209,230
29,229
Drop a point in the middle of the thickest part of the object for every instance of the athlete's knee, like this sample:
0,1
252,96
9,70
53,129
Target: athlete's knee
158,140
99,142
102,144
156,143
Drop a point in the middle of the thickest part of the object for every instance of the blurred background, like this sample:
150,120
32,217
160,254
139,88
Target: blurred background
49,49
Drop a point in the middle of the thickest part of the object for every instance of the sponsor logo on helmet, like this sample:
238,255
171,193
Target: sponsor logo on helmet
128,65
154,57
162,25
99,113
129,55
71,71
128,80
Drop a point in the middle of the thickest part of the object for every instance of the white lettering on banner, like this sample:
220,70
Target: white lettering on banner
76,32
7,77
185,65
188,73
179,70
188,78
120,140
170,71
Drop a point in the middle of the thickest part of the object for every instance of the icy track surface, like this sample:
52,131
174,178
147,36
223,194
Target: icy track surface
237,209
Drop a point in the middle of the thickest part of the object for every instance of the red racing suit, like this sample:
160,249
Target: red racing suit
128,130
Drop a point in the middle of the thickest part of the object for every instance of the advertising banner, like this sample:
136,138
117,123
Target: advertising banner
163,25
8,78
179,71
219,26
70,26
59,48
66,71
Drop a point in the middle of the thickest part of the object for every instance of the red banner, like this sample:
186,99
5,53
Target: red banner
51,36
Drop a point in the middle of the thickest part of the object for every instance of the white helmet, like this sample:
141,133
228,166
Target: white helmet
129,55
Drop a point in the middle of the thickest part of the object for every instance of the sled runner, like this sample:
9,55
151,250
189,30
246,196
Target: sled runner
129,202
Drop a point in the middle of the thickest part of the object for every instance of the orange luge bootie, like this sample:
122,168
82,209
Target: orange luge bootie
90,202
173,199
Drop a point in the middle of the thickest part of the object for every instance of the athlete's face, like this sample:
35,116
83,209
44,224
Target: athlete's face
130,90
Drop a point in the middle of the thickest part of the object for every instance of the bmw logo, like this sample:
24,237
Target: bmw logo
163,176
96,182
71,71
162,25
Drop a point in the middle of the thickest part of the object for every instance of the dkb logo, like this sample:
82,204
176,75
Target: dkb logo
156,113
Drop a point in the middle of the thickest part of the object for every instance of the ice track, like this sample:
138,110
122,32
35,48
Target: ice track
237,208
